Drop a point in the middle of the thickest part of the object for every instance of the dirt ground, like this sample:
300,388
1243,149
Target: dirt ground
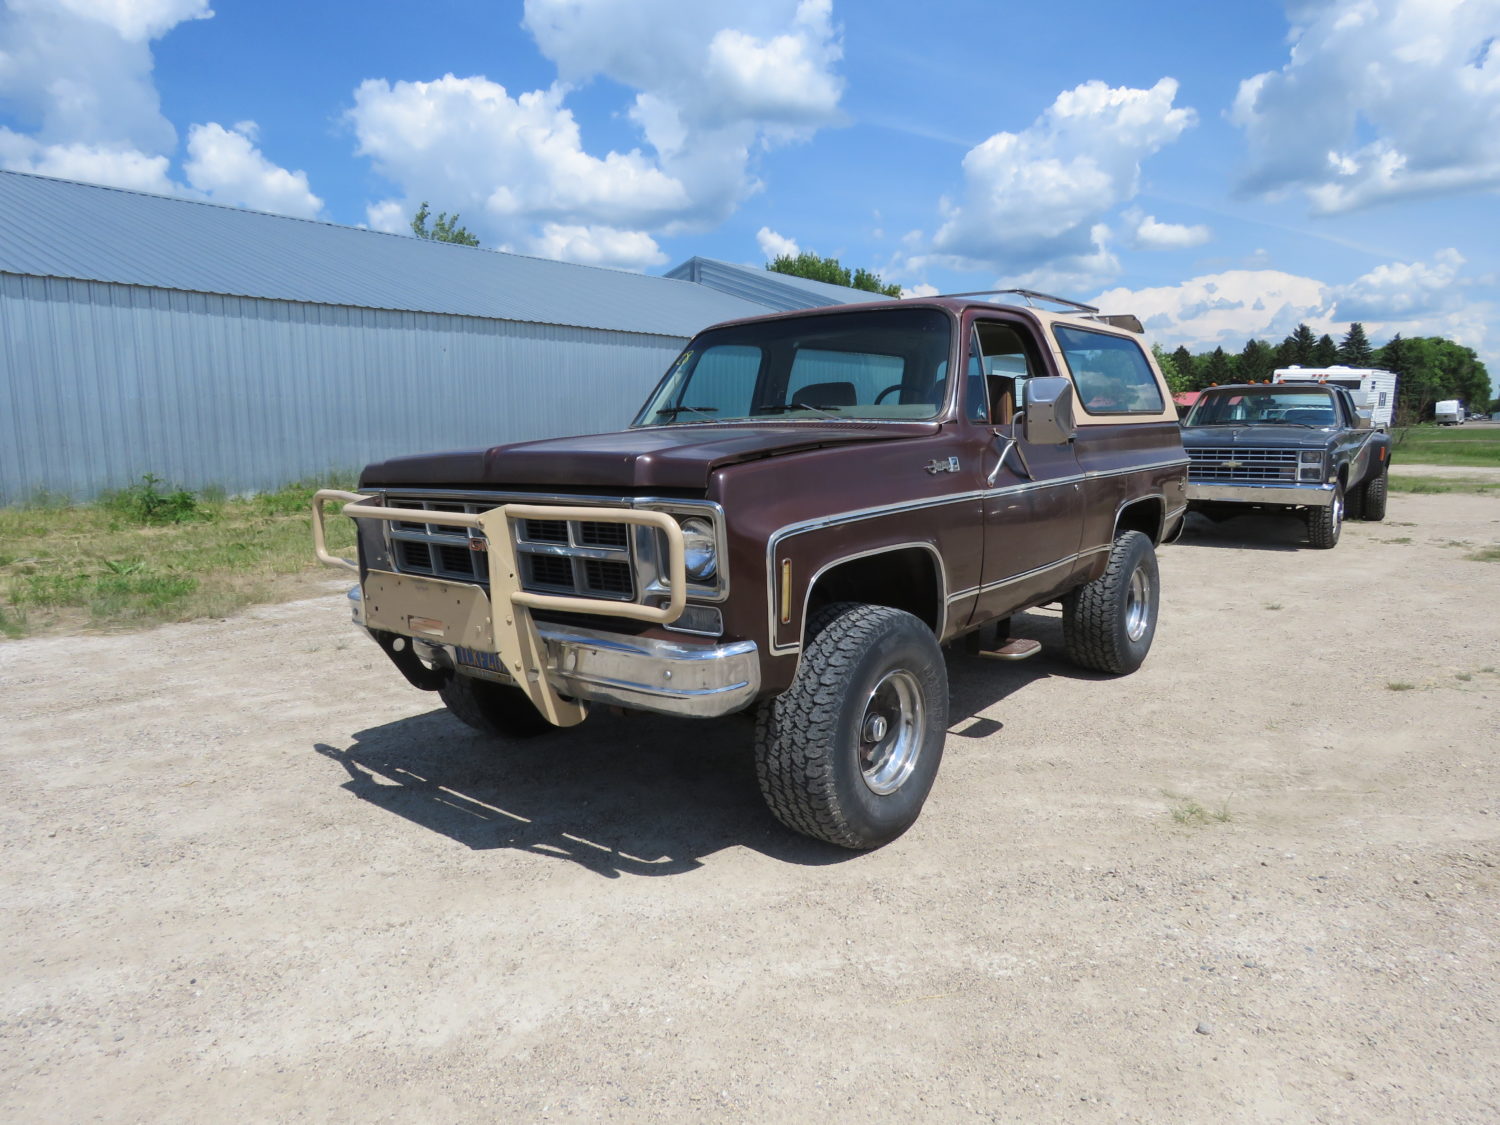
249,874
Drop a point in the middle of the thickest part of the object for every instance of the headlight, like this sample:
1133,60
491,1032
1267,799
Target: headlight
701,549
1312,456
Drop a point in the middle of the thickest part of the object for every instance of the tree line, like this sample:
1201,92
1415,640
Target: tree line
1429,368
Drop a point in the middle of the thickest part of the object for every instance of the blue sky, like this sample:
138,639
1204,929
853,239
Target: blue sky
1221,170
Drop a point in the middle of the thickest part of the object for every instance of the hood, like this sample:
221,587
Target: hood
659,457
1273,436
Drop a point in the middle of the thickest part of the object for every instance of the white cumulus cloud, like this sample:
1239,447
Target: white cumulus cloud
1149,233
773,245
713,84
77,74
1379,100
225,165
595,246
1037,199
1226,309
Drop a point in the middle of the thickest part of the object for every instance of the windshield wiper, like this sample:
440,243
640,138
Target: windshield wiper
673,411
785,407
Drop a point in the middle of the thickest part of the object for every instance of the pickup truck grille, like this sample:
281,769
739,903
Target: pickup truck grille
1234,463
585,558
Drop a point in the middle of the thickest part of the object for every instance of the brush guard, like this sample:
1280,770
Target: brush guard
464,615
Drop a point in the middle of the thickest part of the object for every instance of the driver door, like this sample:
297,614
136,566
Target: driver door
1033,492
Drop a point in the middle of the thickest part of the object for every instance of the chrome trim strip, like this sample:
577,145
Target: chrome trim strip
1032,573
942,571
1308,495
1094,474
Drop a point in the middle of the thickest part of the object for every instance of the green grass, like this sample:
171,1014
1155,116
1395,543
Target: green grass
1191,813
1447,445
1398,685
151,554
1399,483
1485,554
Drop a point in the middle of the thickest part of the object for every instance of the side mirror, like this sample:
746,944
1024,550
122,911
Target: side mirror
1049,411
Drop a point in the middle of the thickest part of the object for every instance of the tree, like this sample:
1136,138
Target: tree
1176,381
1299,347
1257,362
443,228
1218,369
1187,368
1355,349
816,268
1326,353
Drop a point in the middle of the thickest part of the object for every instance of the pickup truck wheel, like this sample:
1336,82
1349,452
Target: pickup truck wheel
848,753
1375,494
1324,524
1354,502
1108,625
493,709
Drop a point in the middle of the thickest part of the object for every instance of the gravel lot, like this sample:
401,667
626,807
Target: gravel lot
249,874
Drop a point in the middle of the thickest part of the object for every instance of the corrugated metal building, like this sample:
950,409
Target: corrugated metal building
211,345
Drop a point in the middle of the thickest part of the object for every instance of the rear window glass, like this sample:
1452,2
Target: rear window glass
1110,372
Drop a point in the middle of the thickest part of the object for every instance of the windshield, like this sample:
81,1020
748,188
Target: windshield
1254,406
887,364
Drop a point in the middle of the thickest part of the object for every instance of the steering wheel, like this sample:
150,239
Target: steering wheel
888,390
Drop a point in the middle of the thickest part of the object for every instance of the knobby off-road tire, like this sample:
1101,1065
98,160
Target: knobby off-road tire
849,752
1373,508
1325,524
493,709
1108,625
1354,502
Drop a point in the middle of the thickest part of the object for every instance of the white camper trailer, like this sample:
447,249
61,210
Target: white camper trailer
1449,412
1373,389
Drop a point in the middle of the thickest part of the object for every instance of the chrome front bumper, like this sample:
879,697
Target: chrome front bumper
1307,495
641,673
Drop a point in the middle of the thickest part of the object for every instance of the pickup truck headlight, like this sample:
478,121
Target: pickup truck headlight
1312,456
701,549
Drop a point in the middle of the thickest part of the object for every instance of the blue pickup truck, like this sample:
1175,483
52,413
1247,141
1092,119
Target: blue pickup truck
1305,450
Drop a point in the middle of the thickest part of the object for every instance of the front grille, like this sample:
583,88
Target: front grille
1229,463
581,558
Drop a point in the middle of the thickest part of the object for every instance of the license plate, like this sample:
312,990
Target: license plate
487,661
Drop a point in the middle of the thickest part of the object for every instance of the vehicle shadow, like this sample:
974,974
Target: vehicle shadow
629,794
619,795
1250,532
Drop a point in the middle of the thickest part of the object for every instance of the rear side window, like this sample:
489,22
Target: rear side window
1110,372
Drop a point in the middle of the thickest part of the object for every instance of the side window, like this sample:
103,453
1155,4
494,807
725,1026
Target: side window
1110,372
1007,358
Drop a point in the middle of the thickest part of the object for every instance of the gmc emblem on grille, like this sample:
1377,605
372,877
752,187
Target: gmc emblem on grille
478,543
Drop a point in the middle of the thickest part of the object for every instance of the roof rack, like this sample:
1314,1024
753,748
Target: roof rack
1030,296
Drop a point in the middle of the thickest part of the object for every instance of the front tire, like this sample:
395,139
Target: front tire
1109,624
1325,524
493,709
849,752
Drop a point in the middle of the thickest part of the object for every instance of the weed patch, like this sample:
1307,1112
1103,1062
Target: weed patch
1191,813
1399,685
141,557
1485,554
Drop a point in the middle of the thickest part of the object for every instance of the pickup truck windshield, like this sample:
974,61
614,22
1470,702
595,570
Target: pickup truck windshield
887,364
1239,406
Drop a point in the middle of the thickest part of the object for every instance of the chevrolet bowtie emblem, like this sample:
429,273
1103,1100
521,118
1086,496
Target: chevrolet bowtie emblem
1231,464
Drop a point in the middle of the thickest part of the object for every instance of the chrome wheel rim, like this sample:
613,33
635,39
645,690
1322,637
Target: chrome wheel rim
1137,604
890,732
1338,511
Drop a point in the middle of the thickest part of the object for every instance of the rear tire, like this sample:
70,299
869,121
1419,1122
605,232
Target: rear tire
1325,524
1375,497
1108,625
493,709
849,752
